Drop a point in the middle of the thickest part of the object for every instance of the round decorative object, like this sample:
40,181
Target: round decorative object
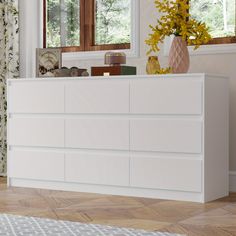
74,71
85,73
179,56
153,65
115,58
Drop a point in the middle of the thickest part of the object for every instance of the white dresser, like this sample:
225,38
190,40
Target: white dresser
148,136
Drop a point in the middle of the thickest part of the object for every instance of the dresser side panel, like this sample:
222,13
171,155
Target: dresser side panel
216,138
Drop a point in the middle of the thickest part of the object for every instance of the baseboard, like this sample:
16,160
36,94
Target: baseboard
106,189
232,181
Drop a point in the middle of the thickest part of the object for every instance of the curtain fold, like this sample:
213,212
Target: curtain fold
9,66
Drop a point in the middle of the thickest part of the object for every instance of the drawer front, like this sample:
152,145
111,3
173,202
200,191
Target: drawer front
168,174
97,97
97,134
166,135
36,97
97,169
36,165
45,132
166,97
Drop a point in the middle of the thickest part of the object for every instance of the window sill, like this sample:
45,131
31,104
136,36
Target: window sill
204,49
96,55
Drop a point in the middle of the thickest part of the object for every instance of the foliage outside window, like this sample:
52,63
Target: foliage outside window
219,16
113,21
87,25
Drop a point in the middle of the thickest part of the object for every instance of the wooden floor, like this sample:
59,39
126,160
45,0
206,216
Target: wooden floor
217,218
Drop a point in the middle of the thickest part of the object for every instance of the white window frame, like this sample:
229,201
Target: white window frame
131,53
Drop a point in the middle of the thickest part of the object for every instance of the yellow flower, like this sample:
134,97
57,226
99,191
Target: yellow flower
176,20
164,71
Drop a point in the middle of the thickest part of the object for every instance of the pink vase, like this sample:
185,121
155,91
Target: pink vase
179,56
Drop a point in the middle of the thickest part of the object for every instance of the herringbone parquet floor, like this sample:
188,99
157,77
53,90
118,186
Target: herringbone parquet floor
217,218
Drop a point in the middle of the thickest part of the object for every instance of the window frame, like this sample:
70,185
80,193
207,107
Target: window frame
87,29
223,40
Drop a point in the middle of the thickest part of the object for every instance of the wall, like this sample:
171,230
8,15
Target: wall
218,63
222,64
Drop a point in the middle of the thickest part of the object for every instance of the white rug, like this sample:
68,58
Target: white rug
11,225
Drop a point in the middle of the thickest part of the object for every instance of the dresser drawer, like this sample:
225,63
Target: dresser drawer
44,132
107,169
36,165
36,97
166,96
97,97
163,135
97,133
168,174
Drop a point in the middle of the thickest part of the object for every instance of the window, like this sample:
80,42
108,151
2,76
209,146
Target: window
219,15
87,25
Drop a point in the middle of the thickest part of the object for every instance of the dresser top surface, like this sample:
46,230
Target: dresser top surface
127,77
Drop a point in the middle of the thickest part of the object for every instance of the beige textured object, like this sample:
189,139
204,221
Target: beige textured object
179,56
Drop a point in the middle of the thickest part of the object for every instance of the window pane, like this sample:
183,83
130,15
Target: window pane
63,23
219,15
113,21
53,23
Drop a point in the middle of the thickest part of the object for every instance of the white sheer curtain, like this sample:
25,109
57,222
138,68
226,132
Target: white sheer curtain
9,65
